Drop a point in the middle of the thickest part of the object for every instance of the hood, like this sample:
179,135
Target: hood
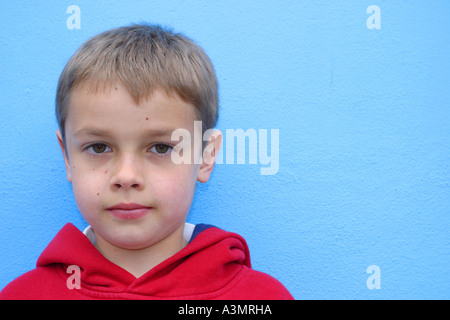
212,260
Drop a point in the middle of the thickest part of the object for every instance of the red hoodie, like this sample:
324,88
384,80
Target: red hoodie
214,265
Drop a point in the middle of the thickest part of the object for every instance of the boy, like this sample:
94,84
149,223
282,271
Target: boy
119,100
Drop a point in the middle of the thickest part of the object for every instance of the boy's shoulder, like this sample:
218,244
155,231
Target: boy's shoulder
227,253
41,283
257,285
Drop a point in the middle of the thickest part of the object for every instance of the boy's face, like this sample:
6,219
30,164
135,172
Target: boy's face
119,162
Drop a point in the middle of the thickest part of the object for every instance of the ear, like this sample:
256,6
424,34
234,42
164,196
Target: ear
66,158
209,156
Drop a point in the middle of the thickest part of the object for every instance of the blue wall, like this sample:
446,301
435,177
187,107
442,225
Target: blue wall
364,135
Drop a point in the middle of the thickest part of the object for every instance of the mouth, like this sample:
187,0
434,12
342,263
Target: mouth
128,211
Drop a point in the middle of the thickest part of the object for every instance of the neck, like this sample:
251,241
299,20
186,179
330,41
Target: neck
140,261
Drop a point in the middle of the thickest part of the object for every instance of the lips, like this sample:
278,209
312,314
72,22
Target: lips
128,211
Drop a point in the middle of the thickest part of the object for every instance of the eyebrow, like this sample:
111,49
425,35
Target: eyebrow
98,132
91,132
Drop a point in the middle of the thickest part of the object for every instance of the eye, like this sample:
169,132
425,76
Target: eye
99,148
161,148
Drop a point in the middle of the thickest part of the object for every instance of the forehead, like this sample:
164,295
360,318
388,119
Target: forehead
115,108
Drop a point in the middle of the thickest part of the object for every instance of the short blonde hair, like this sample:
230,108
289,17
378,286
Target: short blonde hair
143,58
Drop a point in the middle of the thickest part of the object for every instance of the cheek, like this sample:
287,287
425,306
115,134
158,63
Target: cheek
177,189
87,189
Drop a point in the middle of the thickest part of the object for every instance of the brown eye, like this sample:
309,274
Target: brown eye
161,148
98,147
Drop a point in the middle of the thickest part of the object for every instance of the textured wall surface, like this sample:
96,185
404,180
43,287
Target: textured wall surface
364,135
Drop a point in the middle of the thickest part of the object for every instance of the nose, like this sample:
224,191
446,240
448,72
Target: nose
127,174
